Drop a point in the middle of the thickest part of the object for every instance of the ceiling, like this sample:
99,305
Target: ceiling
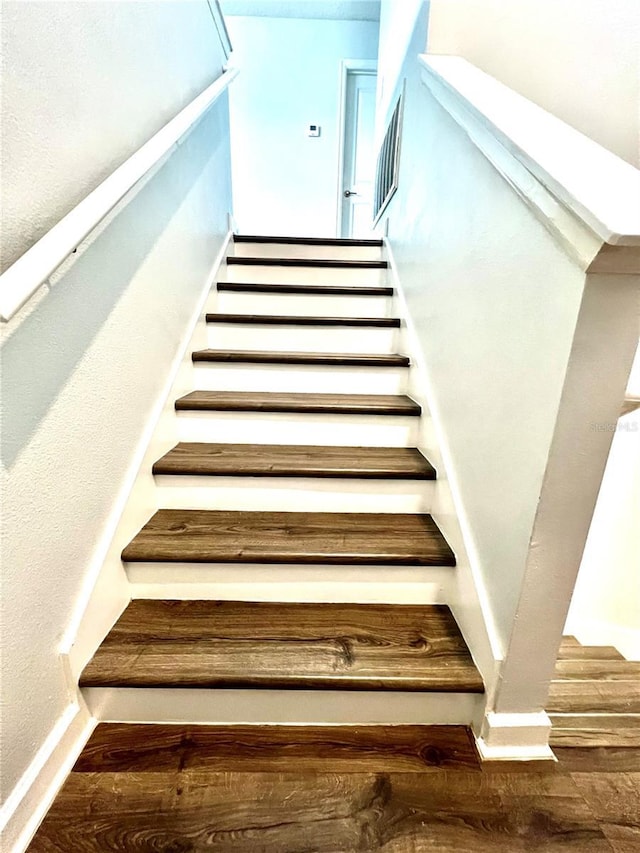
345,10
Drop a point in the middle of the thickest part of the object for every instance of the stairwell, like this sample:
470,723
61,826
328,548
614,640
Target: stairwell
296,483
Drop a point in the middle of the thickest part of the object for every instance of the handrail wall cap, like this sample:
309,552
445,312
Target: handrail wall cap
20,281
598,187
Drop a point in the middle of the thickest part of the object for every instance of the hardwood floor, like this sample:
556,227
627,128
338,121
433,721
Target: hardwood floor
333,789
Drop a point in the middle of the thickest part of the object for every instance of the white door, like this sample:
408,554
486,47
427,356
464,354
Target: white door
358,160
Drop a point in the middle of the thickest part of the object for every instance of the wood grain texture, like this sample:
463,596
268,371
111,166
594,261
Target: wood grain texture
118,747
597,670
304,320
595,730
598,759
330,359
304,289
198,811
285,646
273,460
589,697
290,537
331,263
578,652
305,241
270,401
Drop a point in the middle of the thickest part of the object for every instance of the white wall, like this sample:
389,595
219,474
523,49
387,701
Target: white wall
285,182
494,302
397,23
579,59
606,604
83,86
83,366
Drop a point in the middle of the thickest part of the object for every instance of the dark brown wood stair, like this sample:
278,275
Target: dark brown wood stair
240,644
304,289
290,320
329,538
266,401
305,241
259,460
330,263
329,359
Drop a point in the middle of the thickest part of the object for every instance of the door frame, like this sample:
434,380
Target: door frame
347,66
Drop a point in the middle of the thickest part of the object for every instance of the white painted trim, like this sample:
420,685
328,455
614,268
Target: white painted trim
221,26
347,66
561,172
263,707
31,798
515,737
33,268
106,591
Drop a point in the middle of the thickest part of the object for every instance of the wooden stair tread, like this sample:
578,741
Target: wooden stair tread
304,241
337,359
331,263
597,670
304,320
223,644
594,697
595,730
304,289
266,460
140,747
269,401
210,536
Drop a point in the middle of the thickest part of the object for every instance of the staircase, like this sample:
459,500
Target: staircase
293,549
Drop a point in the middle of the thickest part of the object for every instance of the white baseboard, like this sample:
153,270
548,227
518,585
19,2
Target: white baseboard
31,798
515,737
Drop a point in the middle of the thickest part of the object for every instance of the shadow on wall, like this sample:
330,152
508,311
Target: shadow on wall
39,359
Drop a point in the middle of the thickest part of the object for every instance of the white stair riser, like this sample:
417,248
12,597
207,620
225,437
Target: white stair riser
283,338
321,707
301,250
293,494
304,275
297,582
218,376
293,304
293,428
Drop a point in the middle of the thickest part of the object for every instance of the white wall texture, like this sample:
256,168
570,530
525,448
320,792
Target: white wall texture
579,59
494,302
285,182
83,366
83,86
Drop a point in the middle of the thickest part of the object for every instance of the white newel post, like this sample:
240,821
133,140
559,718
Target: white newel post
604,344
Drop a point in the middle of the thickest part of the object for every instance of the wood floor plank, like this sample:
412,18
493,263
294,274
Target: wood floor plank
269,401
304,320
598,759
329,359
323,813
588,697
597,670
595,730
285,646
330,263
259,460
137,748
304,289
209,536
